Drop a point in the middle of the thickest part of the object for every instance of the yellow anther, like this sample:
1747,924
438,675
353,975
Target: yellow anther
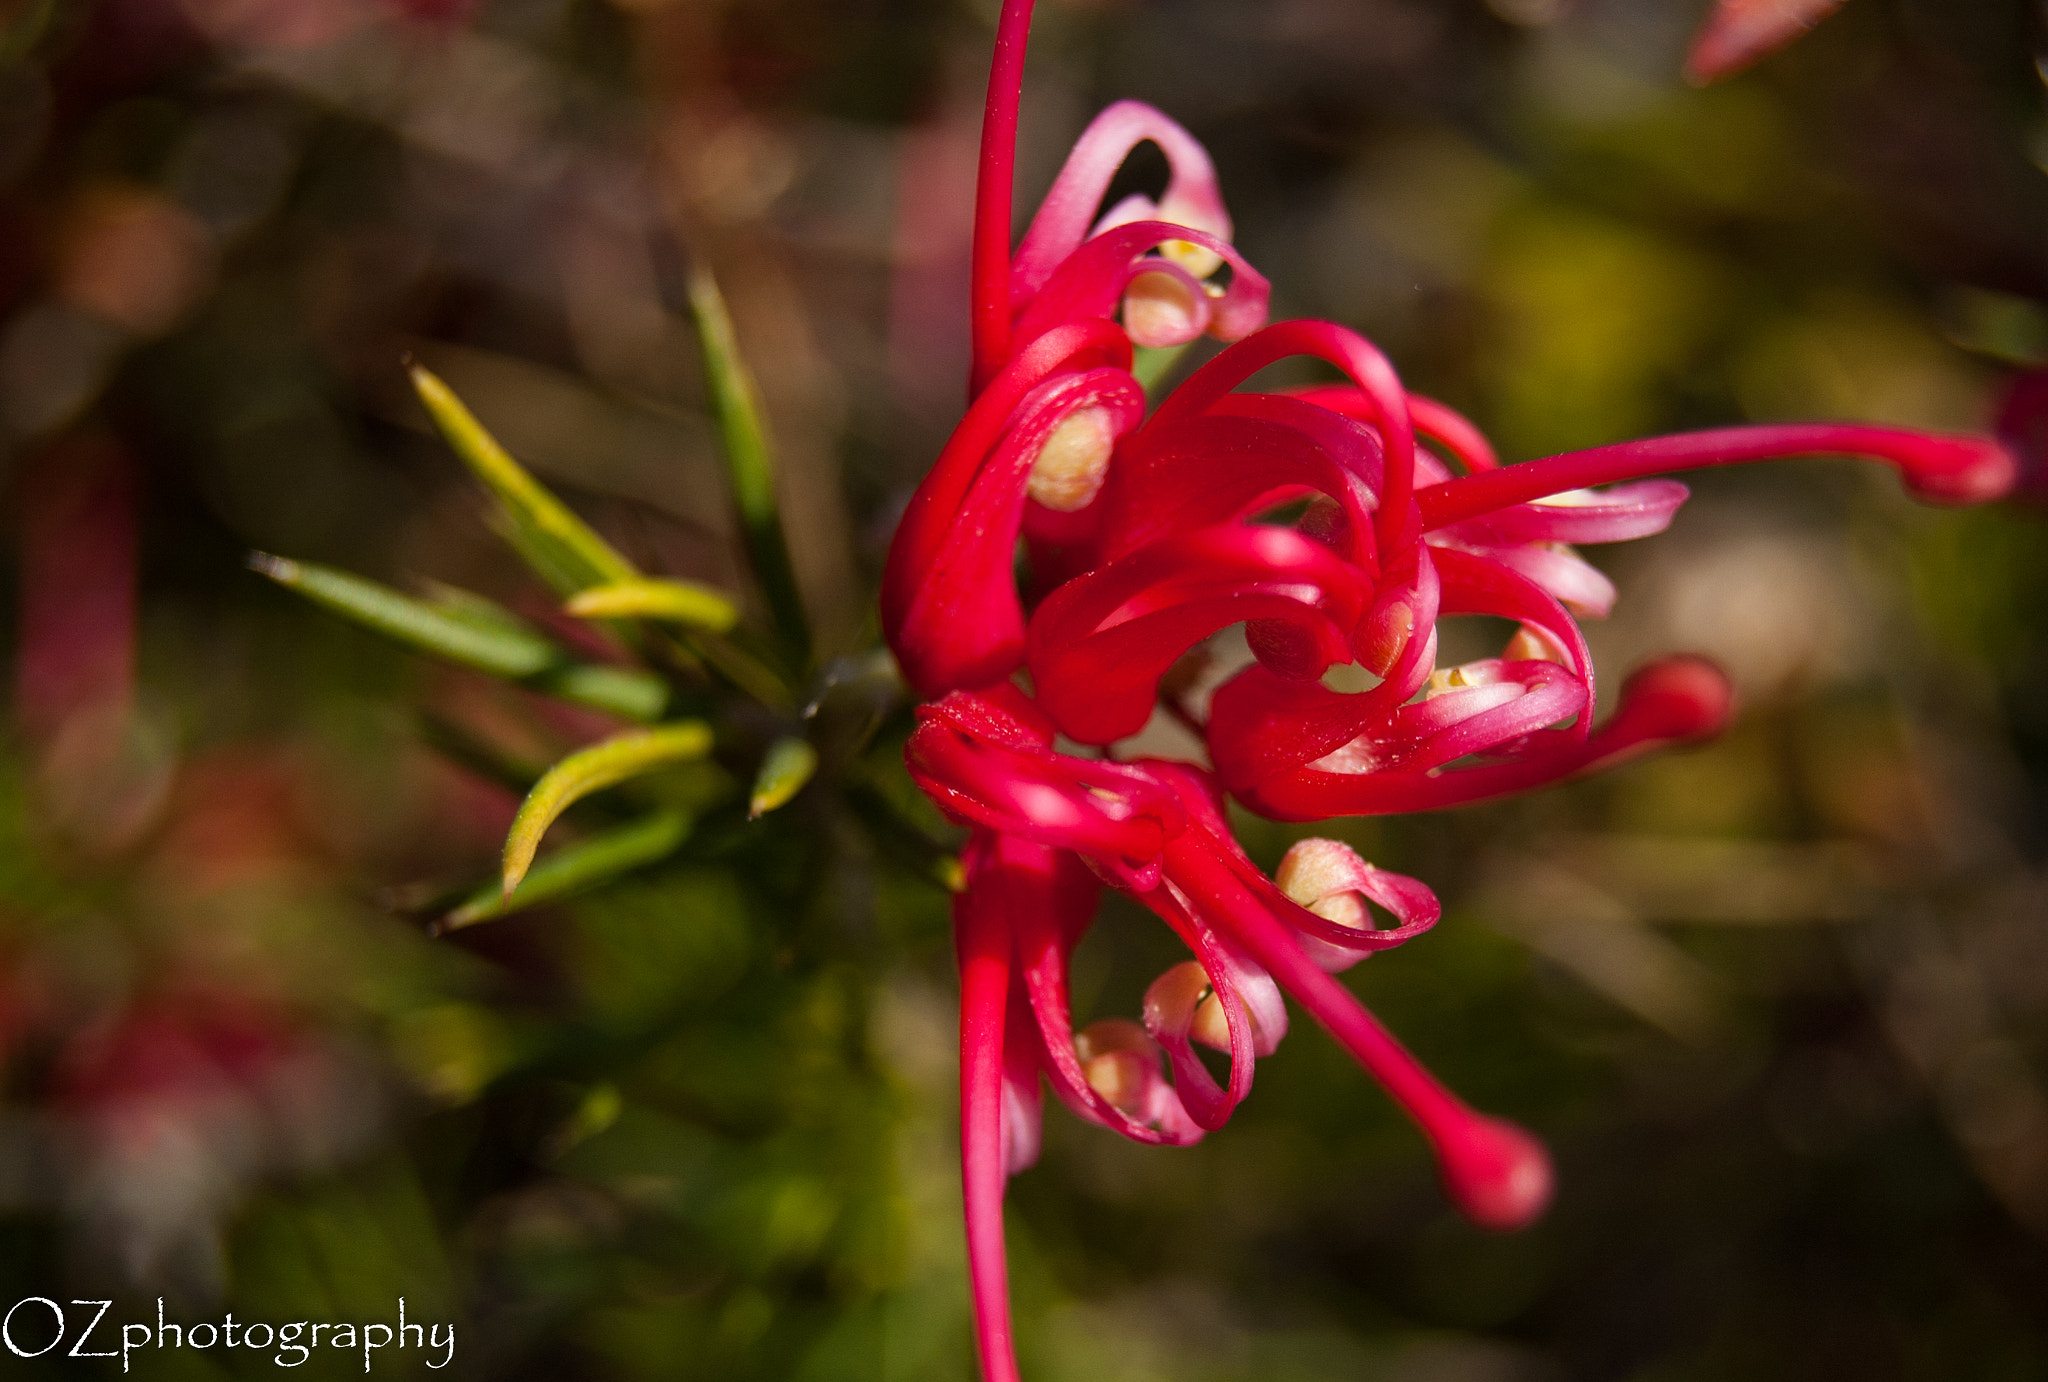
1445,679
1531,644
1074,461
1196,259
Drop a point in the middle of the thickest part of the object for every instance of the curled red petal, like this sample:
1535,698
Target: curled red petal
1530,696
1104,810
1473,584
1192,199
1359,358
950,609
994,189
1676,700
1100,643
1092,281
1049,896
1245,453
1439,422
1208,1103
1618,514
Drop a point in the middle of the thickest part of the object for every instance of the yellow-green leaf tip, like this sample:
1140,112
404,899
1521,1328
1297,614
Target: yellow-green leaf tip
604,764
681,602
788,766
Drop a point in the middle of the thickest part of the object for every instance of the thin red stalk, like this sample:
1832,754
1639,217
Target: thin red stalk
1945,468
994,188
983,939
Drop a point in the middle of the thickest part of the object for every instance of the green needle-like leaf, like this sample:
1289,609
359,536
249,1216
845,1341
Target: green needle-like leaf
503,650
602,765
475,632
788,766
747,456
627,692
580,866
560,547
676,602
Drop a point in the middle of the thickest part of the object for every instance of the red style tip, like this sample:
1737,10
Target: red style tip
1961,470
1740,33
1497,1175
1679,698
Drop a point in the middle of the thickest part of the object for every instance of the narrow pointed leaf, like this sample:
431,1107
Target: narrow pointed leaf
560,547
676,602
630,693
580,866
747,457
476,632
788,766
504,650
472,608
604,764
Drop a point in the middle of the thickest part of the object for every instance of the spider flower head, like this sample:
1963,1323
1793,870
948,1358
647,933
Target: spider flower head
1337,525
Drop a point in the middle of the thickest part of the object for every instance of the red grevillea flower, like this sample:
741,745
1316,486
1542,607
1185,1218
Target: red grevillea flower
1318,521
1047,826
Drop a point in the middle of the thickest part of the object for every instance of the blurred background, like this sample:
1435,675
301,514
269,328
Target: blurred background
1779,1005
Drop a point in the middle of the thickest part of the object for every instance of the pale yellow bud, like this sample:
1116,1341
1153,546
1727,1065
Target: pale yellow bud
1185,990
1322,875
1074,461
1160,310
1119,1061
